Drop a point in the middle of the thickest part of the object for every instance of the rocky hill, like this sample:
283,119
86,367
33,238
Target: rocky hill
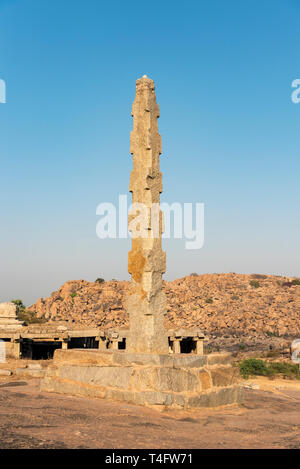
223,305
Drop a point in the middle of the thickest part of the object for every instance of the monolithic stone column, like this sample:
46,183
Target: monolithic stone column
146,303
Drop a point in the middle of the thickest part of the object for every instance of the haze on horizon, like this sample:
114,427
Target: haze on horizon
230,134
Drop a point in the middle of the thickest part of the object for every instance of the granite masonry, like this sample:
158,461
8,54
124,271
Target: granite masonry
146,373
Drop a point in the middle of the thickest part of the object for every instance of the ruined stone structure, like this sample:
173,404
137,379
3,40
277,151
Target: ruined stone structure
146,303
145,372
8,317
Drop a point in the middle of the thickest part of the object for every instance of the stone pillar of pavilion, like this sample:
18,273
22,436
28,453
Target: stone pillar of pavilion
146,303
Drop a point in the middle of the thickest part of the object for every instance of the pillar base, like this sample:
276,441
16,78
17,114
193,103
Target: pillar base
176,381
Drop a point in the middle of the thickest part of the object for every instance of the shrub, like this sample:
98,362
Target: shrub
99,280
25,315
254,283
19,303
288,370
253,366
256,367
296,281
30,318
209,300
271,334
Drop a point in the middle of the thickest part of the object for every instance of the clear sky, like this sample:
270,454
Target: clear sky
230,133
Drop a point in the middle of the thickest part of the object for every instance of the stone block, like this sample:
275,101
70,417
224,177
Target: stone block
205,380
84,356
176,380
117,377
224,375
219,358
142,359
30,373
144,379
216,398
5,372
118,395
154,398
189,360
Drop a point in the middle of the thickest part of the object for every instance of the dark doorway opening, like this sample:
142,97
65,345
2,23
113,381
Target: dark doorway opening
188,345
38,350
122,345
83,342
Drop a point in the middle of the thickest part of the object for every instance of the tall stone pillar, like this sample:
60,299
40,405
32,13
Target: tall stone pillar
146,303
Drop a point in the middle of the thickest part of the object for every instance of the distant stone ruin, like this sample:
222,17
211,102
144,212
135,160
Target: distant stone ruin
8,317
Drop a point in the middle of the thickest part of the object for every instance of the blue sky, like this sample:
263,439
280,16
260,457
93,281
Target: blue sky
230,133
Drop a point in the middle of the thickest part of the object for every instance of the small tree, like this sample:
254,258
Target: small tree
19,304
99,280
29,317
254,284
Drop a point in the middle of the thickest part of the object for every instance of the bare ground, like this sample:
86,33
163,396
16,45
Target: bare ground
33,419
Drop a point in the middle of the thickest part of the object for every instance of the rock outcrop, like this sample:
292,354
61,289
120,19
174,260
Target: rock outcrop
219,304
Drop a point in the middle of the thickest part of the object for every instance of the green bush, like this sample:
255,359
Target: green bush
271,334
27,316
30,318
99,280
254,283
209,300
296,281
256,367
19,303
253,367
289,370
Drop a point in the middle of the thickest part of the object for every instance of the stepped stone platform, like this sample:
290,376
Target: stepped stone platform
174,380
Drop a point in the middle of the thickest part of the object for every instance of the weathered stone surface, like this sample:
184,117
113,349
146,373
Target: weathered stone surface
34,366
8,310
142,385
31,372
144,359
216,398
106,376
124,358
219,358
84,356
141,378
5,372
205,380
146,303
8,317
224,375
176,380
189,360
